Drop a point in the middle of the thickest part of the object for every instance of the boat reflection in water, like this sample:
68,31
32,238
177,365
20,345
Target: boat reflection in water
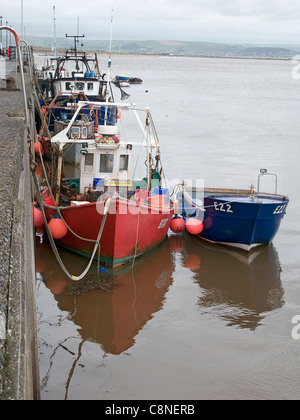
237,287
112,316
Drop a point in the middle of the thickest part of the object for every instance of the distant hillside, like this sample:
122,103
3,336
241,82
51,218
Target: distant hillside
177,48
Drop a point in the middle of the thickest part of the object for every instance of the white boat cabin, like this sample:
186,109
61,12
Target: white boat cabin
85,83
106,162
79,130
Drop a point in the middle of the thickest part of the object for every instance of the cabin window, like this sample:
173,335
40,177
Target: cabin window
106,163
89,162
123,163
68,86
79,86
75,132
84,133
90,86
79,133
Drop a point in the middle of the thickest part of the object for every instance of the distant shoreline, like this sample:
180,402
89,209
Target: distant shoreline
49,52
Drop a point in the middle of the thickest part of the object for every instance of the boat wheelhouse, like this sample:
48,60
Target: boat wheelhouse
74,73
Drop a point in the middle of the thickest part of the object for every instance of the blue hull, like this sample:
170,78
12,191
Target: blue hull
123,78
243,221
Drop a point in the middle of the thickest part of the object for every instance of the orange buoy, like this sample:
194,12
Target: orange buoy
57,227
177,224
194,226
36,148
38,217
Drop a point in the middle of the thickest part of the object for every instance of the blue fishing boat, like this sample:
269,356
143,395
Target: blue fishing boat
239,218
72,78
125,81
123,78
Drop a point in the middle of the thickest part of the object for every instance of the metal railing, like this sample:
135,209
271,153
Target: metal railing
20,61
264,172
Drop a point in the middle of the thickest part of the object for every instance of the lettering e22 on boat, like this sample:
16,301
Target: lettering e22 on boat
225,207
280,209
296,329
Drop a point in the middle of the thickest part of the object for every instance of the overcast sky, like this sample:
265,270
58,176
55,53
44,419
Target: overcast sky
230,21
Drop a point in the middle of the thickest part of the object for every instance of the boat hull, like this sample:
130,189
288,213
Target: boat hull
129,229
242,221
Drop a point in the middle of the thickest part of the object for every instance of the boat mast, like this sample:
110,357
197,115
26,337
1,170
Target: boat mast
54,32
148,140
109,58
109,66
76,40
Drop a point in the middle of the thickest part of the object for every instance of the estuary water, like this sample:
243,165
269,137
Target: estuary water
190,320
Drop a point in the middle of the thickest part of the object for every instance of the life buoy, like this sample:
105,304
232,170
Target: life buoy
119,113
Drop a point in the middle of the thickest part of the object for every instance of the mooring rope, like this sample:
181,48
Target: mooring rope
52,242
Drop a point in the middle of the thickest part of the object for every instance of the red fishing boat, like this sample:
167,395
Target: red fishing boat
129,229
106,214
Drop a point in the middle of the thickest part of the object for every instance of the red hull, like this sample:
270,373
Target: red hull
130,229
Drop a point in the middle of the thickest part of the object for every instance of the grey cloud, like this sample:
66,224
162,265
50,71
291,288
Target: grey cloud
272,21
